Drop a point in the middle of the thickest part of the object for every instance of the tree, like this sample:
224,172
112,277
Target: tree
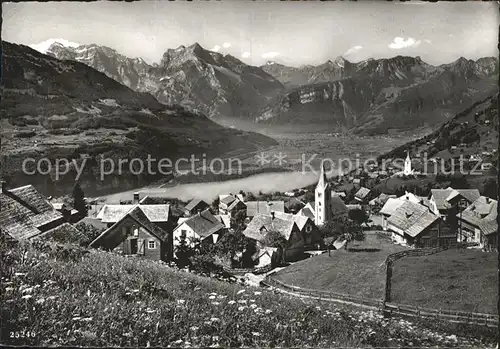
359,216
491,188
231,243
88,233
79,202
238,220
215,205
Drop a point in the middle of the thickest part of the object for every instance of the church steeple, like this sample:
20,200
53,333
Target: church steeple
407,170
322,200
322,182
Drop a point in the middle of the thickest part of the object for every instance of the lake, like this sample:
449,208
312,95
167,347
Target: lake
265,182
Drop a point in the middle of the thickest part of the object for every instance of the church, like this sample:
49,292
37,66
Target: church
408,171
323,198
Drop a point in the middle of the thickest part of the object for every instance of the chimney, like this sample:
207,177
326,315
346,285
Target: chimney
272,214
4,186
136,198
487,200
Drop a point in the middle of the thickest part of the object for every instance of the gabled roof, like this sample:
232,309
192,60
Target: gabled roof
470,194
482,213
412,218
32,197
235,203
362,193
62,233
24,211
298,219
204,224
225,219
390,206
264,207
262,224
338,206
138,216
155,213
227,199
322,181
440,198
195,202
306,212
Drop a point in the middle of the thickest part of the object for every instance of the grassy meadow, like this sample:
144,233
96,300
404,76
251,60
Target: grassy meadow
60,295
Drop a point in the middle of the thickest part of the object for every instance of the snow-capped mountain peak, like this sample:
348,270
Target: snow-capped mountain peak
45,45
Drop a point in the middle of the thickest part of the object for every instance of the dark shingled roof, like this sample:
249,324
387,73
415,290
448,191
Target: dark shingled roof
204,224
24,211
483,214
412,218
362,193
138,215
195,202
262,224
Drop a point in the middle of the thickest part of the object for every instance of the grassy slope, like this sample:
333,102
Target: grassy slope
449,280
102,299
356,273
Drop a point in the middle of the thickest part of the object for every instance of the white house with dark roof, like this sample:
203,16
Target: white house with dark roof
441,201
203,226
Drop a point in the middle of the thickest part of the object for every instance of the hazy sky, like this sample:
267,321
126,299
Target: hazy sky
293,33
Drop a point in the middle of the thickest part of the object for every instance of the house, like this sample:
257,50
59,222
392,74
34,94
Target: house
363,195
203,226
262,224
388,210
340,194
478,223
229,205
381,200
134,234
195,206
309,230
413,224
158,214
264,207
444,202
25,213
266,256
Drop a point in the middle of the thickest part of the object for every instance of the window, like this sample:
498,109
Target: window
308,229
183,233
151,244
136,232
319,203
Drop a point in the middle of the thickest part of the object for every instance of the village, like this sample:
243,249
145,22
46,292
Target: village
245,232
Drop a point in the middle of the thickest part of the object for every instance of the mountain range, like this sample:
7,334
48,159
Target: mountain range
368,97
374,96
64,109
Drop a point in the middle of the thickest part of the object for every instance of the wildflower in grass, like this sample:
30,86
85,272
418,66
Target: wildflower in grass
256,334
268,311
241,308
179,341
52,297
194,328
214,319
252,300
28,296
242,301
8,289
315,331
181,301
211,297
231,302
87,319
76,318
253,306
257,293
20,274
215,303
40,301
240,291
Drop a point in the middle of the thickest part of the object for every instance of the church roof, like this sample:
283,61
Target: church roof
322,182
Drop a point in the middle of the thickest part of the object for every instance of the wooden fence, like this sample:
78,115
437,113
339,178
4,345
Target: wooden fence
387,309
384,305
